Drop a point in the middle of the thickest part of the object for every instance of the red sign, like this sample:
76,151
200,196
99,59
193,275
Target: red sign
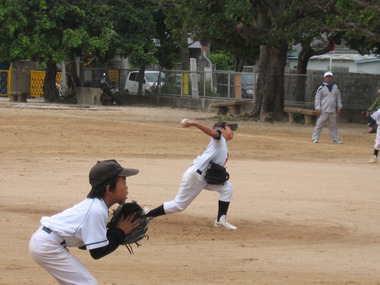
333,47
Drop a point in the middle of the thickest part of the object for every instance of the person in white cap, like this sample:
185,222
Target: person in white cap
376,117
193,180
328,103
85,226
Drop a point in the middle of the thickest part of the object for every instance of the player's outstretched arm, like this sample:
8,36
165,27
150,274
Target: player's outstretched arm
207,130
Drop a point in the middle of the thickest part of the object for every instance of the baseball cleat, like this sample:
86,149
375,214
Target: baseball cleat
373,160
338,141
315,141
223,223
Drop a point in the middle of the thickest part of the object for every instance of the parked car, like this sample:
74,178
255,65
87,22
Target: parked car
247,86
225,80
150,81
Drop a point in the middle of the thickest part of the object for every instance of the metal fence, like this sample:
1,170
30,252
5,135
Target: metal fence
224,84
358,90
5,82
37,81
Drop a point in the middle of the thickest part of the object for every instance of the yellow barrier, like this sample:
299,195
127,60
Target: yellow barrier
5,82
113,75
37,81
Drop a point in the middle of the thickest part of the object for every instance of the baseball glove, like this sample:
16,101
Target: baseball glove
138,233
216,174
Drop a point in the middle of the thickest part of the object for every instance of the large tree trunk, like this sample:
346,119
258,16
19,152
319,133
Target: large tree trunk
185,53
72,78
269,102
49,87
303,59
239,63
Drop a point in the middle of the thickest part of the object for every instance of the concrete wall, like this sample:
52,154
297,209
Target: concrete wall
177,102
89,96
358,90
20,79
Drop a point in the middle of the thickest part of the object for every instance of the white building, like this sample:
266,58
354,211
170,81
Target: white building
341,62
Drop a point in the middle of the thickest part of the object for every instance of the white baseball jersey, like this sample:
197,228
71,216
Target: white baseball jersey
193,182
216,151
83,224
376,117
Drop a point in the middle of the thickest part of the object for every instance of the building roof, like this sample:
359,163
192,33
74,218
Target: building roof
357,58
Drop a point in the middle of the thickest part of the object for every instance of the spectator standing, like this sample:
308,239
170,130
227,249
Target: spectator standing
328,103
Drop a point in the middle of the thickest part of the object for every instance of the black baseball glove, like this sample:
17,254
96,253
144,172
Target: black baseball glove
216,174
138,233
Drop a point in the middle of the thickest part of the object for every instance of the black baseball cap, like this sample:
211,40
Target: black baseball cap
223,124
104,170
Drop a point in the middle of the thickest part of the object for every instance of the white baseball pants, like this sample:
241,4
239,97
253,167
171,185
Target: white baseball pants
192,184
57,260
377,140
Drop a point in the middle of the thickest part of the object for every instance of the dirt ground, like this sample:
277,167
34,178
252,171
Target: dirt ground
306,213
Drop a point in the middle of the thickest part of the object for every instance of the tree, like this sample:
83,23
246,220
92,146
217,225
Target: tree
304,23
359,21
215,22
243,27
322,23
51,32
135,32
275,25
168,51
273,54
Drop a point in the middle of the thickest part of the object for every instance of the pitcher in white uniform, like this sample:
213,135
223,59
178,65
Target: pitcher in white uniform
193,181
84,226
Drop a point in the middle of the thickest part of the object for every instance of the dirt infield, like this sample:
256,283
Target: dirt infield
306,213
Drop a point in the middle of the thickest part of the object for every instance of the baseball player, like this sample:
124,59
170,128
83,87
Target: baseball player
84,226
376,117
374,107
193,181
328,103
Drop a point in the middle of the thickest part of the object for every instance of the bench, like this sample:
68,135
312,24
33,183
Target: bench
17,96
310,115
232,106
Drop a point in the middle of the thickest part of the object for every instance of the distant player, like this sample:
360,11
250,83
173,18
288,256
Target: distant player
328,103
84,226
193,181
376,117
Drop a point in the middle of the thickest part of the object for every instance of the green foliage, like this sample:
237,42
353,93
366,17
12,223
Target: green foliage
222,61
135,29
52,30
359,20
216,21
168,51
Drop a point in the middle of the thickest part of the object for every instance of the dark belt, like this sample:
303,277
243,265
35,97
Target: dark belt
49,231
199,172
45,229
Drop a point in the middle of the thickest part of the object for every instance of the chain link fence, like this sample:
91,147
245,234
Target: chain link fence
358,90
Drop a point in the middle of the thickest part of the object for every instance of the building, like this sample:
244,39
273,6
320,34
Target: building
341,59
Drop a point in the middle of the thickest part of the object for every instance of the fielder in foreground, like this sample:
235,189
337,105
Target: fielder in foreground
84,225
195,179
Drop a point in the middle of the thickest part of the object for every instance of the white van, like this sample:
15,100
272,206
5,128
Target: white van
150,81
